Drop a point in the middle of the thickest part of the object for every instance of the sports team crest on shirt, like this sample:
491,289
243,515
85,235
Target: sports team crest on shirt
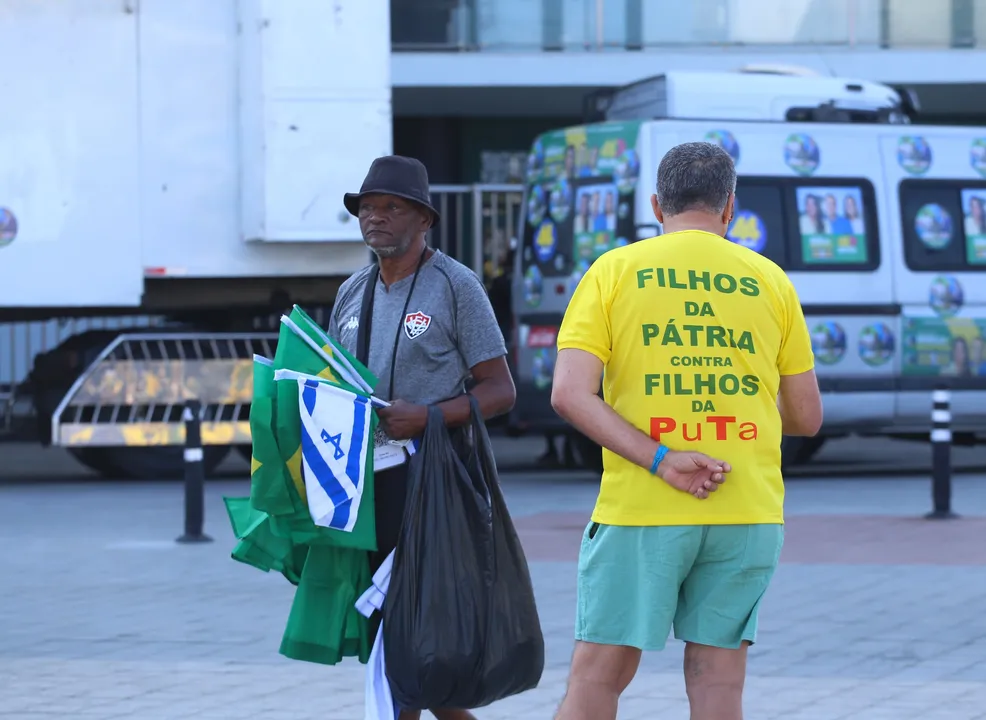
416,323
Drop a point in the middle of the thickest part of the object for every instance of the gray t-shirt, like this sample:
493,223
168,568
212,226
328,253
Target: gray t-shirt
448,328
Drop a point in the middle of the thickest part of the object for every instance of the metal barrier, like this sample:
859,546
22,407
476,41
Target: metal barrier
477,223
135,392
21,342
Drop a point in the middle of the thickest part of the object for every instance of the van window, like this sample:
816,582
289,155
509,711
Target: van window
601,219
810,225
758,218
546,247
568,224
833,225
944,224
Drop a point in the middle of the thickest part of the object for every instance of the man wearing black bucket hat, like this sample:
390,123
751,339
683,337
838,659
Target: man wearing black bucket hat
423,324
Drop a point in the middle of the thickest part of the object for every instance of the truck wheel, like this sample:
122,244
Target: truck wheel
98,459
145,463
245,452
588,454
799,450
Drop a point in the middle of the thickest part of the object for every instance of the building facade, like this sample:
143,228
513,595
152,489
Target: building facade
475,80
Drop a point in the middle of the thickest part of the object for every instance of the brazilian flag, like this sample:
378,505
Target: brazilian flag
273,526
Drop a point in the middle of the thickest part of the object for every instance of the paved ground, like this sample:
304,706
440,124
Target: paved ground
875,614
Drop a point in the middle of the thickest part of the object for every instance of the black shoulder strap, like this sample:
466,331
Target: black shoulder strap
366,316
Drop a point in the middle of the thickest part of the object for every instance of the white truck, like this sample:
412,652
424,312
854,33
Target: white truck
183,159
880,224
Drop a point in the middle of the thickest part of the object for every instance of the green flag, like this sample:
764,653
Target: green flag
299,352
325,357
324,625
274,528
258,546
269,490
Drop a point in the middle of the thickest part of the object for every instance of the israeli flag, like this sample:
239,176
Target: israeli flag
335,441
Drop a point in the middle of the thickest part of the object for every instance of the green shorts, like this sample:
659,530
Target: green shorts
706,581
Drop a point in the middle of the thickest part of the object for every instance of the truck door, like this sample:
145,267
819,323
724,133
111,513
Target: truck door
816,210
937,183
69,184
579,203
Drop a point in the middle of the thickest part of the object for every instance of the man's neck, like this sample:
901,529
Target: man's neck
394,269
693,221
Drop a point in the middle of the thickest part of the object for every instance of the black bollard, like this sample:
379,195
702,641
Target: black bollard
941,456
194,475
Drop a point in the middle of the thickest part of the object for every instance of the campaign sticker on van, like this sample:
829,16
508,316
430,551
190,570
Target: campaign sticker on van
945,295
601,245
801,153
626,172
725,140
952,347
584,246
914,154
542,368
8,227
831,224
537,205
533,286
748,230
545,241
581,268
974,213
977,156
596,208
933,225
560,203
535,160
828,342
876,344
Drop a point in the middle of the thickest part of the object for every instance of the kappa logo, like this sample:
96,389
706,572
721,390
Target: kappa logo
415,324
351,324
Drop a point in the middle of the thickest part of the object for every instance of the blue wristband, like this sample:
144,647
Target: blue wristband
658,457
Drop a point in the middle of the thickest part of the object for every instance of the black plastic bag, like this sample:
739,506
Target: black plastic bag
460,623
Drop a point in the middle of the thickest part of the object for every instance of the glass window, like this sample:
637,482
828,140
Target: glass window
944,226
570,223
758,219
833,226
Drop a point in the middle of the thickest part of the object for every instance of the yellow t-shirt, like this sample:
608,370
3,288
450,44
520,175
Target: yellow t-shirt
694,333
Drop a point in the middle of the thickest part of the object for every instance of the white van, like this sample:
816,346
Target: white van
880,224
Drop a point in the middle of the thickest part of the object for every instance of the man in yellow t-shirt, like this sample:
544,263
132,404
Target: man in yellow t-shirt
707,363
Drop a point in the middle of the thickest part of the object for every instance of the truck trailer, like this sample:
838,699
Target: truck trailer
183,160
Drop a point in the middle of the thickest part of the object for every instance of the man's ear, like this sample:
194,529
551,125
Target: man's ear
656,207
727,212
427,220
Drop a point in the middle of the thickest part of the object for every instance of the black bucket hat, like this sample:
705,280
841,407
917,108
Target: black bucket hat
394,175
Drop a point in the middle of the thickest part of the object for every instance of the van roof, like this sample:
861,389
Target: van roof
754,93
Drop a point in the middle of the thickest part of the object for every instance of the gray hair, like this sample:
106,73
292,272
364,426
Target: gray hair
695,176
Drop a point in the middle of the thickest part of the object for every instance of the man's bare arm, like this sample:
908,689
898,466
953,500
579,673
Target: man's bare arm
575,396
494,390
800,404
